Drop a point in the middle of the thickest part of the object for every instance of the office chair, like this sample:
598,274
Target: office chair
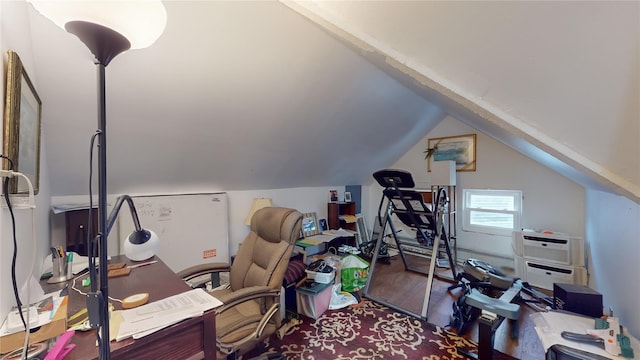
251,307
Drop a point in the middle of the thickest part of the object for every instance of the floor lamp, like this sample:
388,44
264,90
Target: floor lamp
107,28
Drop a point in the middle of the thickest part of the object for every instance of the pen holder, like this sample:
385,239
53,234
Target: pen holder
59,271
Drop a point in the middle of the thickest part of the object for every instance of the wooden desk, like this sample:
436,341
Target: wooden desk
190,339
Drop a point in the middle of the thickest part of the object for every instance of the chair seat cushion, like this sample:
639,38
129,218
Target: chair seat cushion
240,321
246,314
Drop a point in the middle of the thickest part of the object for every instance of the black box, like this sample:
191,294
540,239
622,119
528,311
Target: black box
579,299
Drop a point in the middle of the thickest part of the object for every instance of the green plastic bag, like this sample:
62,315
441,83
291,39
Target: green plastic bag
353,273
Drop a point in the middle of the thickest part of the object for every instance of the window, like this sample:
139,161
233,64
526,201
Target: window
491,211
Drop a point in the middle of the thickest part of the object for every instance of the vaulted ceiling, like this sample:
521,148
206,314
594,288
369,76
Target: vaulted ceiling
262,95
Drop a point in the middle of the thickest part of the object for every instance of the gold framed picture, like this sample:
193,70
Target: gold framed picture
22,115
460,148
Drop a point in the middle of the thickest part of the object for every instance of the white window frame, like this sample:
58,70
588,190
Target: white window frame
466,211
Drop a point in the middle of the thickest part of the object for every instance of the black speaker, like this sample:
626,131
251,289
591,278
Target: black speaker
579,299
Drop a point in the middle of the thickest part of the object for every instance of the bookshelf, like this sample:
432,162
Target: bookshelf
336,212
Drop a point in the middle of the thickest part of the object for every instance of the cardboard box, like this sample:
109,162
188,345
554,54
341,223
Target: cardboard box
313,301
56,327
579,299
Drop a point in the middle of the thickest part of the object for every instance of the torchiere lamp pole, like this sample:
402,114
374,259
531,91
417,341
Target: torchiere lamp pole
105,44
107,29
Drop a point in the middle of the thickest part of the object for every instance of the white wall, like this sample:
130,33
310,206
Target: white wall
14,35
551,202
613,235
309,199
312,199
609,223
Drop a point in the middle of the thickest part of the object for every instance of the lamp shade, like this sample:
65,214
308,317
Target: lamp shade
258,203
140,22
141,245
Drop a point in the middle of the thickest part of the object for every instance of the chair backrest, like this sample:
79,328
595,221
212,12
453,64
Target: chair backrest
409,207
264,254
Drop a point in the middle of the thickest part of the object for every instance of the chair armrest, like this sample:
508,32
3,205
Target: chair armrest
241,295
203,269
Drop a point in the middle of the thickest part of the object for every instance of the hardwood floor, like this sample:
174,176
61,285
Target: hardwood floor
406,289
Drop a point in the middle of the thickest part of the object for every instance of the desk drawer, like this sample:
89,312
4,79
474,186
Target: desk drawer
184,340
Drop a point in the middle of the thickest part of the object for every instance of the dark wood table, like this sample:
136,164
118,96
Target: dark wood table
193,338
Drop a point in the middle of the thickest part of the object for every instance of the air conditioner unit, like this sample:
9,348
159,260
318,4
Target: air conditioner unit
544,275
549,247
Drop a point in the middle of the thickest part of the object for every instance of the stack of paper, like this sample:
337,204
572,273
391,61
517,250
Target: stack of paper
149,318
339,232
41,313
350,219
51,315
15,323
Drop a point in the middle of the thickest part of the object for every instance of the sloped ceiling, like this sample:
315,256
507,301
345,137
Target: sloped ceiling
234,95
250,95
537,76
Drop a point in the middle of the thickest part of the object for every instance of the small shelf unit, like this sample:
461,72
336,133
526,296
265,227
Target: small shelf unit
335,213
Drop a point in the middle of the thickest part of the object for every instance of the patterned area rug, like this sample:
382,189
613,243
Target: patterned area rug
371,331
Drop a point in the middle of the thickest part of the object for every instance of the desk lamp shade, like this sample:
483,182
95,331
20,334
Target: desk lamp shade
141,245
258,203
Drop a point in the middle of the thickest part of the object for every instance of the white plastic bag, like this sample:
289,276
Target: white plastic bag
340,299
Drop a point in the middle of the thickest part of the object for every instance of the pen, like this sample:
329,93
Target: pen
142,264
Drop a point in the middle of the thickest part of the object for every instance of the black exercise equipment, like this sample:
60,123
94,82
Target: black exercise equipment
409,207
479,282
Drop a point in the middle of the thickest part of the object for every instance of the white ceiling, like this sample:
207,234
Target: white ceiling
250,95
537,76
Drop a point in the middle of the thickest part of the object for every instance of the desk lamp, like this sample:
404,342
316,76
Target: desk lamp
107,28
141,244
